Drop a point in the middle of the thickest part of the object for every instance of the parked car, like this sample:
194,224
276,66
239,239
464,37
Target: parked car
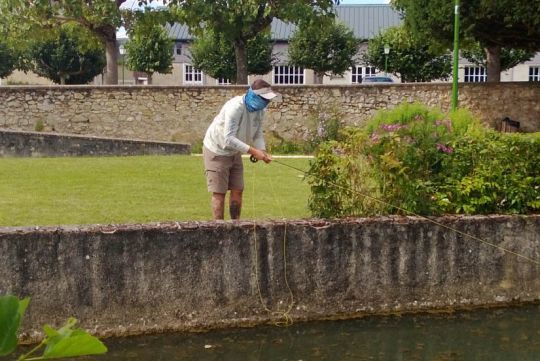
377,79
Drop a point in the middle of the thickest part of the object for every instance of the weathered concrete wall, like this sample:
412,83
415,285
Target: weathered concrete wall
133,279
183,113
32,144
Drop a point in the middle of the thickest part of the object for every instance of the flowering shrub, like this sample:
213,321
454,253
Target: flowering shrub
417,159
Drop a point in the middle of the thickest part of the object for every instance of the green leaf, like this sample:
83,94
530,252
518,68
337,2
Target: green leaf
70,342
11,312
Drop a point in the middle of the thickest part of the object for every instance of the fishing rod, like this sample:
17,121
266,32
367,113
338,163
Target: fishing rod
491,244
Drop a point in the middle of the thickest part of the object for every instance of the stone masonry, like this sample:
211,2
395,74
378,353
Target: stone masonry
182,114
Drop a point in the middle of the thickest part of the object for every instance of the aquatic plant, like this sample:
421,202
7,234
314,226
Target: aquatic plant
68,341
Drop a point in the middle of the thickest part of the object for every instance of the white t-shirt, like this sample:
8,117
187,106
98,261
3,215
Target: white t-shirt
234,129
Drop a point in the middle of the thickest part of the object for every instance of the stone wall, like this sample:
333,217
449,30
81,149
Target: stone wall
37,144
120,280
183,113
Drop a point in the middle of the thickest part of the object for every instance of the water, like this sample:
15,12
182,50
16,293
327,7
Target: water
495,334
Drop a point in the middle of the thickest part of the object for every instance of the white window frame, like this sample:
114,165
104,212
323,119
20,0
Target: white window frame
192,75
474,74
223,81
362,72
288,75
534,73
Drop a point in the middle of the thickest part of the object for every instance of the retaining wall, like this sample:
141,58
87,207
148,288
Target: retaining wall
182,114
32,144
128,279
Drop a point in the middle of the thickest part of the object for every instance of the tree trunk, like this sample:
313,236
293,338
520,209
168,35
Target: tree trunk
107,34
493,63
318,78
240,52
149,78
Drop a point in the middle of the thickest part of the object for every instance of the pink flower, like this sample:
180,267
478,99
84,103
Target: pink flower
392,127
444,148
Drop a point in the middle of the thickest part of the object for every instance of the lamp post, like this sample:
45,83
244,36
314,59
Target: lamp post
456,57
386,52
122,52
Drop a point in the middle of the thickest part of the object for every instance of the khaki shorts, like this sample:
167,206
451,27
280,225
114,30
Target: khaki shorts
223,172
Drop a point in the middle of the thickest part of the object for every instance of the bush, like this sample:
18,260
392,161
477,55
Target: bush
414,159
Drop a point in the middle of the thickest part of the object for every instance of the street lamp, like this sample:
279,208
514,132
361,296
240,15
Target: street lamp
386,52
122,50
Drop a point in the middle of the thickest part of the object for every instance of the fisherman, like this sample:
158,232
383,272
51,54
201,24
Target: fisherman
236,130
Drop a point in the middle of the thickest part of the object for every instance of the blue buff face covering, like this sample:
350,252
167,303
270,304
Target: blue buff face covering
254,102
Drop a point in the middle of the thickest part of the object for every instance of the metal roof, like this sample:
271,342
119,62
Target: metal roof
366,21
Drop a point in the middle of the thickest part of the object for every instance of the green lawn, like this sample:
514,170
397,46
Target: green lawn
61,191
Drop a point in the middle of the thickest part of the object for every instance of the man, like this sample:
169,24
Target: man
236,130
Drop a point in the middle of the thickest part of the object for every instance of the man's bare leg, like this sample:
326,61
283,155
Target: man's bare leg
235,204
218,205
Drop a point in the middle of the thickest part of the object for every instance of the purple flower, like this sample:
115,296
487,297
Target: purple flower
444,148
392,127
374,137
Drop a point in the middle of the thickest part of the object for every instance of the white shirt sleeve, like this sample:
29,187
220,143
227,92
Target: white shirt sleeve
232,116
258,138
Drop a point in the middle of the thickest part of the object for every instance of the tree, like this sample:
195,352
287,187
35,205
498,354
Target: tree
509,57
27,19
67,59
241,20
149,51
409,58
497,24
7,60
214,55
324,47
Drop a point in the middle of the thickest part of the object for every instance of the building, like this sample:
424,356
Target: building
366,21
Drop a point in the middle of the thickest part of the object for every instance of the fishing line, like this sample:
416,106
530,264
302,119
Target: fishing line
418,215
285,315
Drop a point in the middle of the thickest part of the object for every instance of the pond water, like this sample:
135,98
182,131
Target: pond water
510,334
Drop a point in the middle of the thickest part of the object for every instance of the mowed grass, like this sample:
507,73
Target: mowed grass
116,190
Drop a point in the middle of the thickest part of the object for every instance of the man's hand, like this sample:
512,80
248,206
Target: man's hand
260,154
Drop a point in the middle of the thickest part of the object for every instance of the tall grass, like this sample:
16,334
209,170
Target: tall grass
111,190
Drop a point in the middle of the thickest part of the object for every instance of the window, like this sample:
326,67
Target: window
288,74
534,73
192,75
178,49
360,72
223,81
475,74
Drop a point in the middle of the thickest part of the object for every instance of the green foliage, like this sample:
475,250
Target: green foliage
7,60
39,126
511,24
149,50
411,59
67,58
214,55
325,46
24,21
509,57
418,160
508,23
239,21
68,341
11,312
